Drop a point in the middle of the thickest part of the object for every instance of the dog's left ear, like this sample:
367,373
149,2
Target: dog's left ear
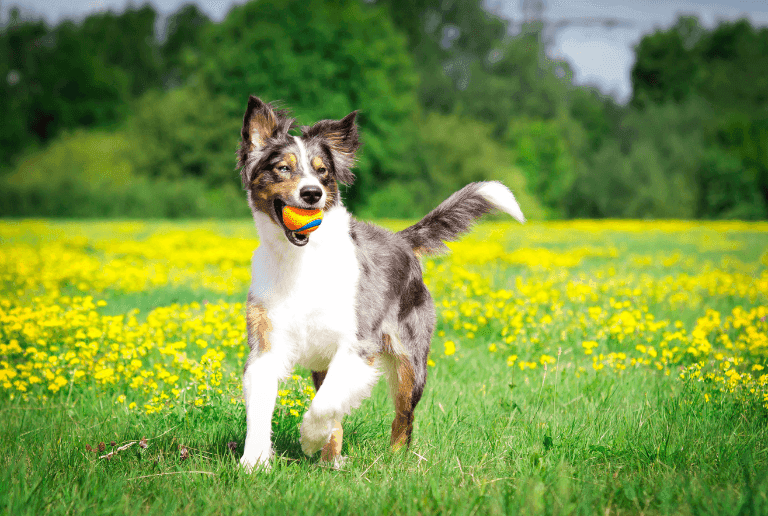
343,141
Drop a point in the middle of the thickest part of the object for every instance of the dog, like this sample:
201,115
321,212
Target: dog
347,301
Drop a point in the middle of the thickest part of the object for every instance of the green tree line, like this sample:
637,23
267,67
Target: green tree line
106,117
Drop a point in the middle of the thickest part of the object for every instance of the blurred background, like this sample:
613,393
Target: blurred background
586,109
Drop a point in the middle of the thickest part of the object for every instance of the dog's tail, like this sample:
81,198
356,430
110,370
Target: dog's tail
455,216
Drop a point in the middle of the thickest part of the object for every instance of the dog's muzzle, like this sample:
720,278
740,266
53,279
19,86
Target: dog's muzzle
297,239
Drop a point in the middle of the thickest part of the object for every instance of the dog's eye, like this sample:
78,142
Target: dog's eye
322,171
283,169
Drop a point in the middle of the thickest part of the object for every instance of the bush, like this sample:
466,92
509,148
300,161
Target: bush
454,151
542,150
90,175
185,133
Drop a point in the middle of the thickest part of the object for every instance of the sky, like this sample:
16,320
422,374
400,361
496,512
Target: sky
600,56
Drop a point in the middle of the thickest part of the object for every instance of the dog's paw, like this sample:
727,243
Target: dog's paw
336,463
253,463
315,432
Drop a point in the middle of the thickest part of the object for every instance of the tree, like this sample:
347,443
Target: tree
183,30
447,40
73,75
516,83
543,151
735,67
734,175
667,67
322,60
726,70
727,66
185,133
128,42
53,82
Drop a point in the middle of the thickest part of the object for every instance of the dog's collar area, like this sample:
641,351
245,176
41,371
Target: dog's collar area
297,239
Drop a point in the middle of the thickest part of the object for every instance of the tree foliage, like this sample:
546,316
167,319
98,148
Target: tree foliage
90,174
74,75
322,60
53,83
726,69
726,65
183,31
445,94
185,132
447,40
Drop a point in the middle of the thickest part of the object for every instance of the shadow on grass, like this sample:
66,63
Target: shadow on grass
219,431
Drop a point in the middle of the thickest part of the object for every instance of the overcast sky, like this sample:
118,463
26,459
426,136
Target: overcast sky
599,56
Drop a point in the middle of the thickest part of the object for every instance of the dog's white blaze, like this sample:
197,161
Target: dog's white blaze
307,178
500,196
309,294
303,156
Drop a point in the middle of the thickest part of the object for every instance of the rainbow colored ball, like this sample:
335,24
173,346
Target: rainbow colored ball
300,220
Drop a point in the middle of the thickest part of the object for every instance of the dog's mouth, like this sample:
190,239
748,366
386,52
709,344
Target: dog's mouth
297,239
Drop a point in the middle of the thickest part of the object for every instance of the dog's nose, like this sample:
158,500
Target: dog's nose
311,194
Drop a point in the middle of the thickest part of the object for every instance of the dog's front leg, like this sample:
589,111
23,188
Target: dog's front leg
260,381
349,381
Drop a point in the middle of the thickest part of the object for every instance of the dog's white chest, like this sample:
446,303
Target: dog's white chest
309,293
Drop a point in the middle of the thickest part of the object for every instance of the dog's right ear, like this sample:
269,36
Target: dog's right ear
260,123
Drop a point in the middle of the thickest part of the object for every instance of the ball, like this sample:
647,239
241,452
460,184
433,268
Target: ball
300,220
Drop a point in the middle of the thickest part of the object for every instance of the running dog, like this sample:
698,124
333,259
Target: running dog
346,301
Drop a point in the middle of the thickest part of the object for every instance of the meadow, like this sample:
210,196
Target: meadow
612,367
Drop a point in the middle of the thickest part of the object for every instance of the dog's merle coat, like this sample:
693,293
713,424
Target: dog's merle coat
347,301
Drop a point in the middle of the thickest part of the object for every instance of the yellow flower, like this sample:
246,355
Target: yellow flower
104,373
547,359
58,383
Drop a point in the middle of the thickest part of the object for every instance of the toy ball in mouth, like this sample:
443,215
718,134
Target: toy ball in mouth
300,220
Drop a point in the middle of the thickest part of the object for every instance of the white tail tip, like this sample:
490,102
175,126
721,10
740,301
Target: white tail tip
499,195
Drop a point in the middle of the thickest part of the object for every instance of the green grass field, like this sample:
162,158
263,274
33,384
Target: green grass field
577,368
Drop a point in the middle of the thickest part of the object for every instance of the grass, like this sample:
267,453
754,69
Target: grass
563,428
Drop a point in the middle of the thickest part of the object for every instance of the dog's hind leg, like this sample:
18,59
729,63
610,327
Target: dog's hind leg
331,452
348,382
406,376
406,350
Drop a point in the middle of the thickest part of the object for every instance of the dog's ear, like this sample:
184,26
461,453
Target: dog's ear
342,140
260,123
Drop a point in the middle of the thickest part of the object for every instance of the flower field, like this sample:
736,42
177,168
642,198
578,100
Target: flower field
579,300
149,318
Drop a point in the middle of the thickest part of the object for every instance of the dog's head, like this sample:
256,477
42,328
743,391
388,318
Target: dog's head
280,169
